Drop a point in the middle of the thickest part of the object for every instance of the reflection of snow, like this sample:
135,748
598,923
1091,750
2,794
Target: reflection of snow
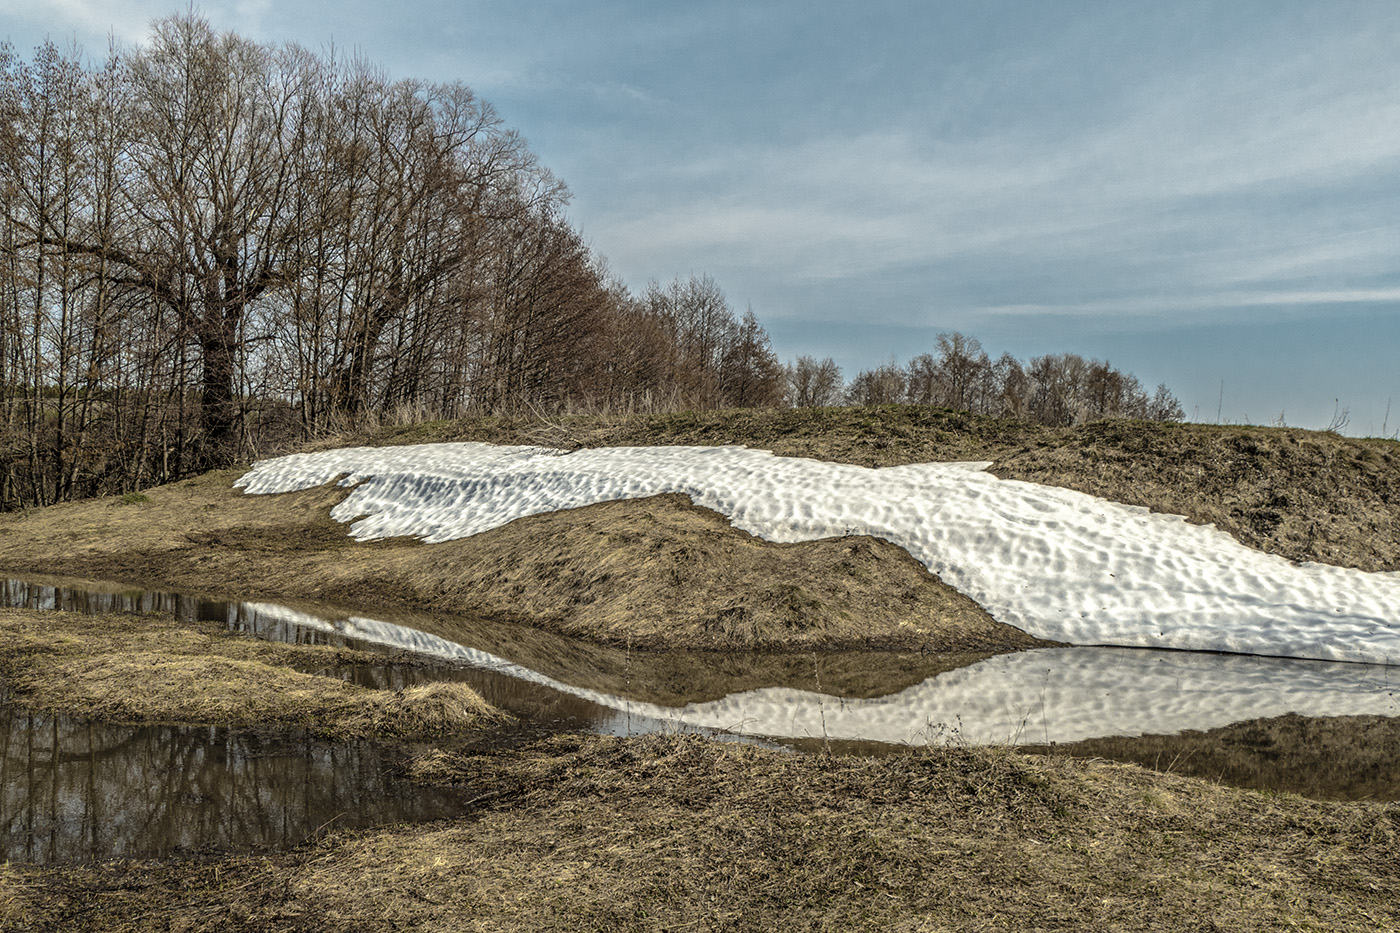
1057,563
1056,695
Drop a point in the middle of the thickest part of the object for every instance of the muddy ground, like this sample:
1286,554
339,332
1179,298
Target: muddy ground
672,832
675,833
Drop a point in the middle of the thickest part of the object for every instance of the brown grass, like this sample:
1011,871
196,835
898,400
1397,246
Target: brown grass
672,833
662,574
1331,758
654,573
151,668
15,905
589,833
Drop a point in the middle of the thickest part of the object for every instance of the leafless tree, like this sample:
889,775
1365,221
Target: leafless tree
884,385
813,383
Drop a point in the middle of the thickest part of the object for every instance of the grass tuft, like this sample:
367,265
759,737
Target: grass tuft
151,668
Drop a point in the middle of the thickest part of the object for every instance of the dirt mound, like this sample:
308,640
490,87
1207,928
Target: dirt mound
647,573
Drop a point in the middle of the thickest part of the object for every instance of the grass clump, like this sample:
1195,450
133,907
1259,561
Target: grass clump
151,668
430,710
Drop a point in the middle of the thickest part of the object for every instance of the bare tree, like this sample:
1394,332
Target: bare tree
750,375
1164,406
884,385
813,383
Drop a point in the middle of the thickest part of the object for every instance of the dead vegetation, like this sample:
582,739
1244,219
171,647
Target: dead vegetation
151,668
1332,758
679,833
669,832
662,574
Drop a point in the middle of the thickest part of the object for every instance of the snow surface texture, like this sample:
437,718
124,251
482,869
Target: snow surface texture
1056,563
1051,695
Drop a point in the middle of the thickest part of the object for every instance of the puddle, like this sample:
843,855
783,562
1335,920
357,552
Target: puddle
76,791
857,702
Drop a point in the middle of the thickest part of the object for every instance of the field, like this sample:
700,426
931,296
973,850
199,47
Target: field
676,832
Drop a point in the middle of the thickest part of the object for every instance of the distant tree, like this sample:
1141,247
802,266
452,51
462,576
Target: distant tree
921,381
961,372
884,385
698,319
1056,388
1164,406
813,383
750,375
1012,388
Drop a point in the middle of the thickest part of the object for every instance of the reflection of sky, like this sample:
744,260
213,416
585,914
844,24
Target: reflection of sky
1198,191
1054,695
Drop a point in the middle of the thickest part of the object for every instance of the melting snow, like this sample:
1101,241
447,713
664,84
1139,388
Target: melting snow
1058,564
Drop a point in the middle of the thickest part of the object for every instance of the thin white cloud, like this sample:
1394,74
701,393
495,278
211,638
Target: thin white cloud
1182,180
1213,302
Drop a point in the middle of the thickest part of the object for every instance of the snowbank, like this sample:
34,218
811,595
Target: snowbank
1059,564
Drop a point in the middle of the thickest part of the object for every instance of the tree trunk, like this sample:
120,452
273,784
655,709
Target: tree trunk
218,412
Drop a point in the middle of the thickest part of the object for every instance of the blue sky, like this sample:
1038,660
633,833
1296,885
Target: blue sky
1205,194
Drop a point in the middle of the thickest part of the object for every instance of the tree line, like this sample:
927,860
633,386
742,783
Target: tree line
210,245
1055,389
211,248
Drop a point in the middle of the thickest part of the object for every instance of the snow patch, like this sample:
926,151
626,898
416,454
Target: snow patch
1056,563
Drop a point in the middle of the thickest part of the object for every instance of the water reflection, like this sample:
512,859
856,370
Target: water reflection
73,791
1047,696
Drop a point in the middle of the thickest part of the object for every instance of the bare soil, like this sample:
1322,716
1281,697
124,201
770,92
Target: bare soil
670,833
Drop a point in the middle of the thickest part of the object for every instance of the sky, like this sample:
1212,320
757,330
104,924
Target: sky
1204,194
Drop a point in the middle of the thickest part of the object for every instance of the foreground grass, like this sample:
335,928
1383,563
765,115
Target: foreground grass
152,668
1304,495
666,833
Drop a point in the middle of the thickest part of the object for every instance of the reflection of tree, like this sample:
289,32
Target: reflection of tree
71,790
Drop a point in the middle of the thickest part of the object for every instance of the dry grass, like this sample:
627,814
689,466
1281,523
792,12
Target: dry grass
654,573
15,905
1332,758
151,668
666,832
671,833
662,574
439,709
